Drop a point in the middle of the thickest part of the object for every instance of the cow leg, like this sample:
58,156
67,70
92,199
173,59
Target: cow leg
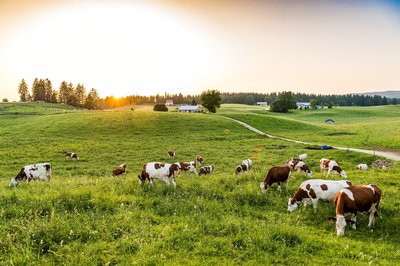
279,187
372,216
287,185
173,182
354,219
151,182
314,203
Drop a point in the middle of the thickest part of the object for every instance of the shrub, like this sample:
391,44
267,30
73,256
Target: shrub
160,107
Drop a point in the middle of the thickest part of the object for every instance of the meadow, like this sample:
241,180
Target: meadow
84,216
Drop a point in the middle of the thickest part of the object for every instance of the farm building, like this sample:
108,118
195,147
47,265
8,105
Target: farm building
303,105
190,108
329,121
262,103
169,102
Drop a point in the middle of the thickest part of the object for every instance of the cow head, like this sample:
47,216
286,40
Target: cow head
292,205
262,186
13,182
343,174
341,223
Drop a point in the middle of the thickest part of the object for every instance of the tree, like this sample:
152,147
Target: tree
211,99
160,107
48,89
80,94
35,90
63,92
91,101
5,100
193,102
54,97
283,103
313,103
23,91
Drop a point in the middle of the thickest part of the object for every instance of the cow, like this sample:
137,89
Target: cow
331,166
206,170
165,172
121,170
303,168
314,190
199,160
353,200
171,154
277,174
248,162
303,156
292,163
241,168
187,167
71,155
40,171
362,167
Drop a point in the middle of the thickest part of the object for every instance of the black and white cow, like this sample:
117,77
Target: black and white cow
40,171
205,170
72,155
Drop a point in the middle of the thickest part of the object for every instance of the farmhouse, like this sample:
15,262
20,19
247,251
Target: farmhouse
303,105
169,102
190,108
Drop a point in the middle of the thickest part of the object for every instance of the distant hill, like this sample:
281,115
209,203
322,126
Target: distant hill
387,94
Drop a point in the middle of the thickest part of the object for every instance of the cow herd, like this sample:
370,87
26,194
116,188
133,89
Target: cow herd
348,199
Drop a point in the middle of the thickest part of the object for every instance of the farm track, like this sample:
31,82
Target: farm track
388,155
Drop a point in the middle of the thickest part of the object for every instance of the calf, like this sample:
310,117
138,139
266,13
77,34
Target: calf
353,200
171,154
199,160
72,155
165,172
187,167
362,167
241,168
40,171
292,163
206,170
314,190
277,174
121,170
303,168
331,166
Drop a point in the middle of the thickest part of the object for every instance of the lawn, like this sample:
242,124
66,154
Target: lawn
84,216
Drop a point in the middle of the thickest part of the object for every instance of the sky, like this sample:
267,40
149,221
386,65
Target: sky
126,47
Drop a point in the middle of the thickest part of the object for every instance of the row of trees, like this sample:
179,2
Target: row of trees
42,91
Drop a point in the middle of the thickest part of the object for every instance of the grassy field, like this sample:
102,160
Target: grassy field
86,217
375,127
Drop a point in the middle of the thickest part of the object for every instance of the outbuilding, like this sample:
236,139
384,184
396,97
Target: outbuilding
190,108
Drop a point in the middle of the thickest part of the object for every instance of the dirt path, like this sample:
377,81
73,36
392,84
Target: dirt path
389,155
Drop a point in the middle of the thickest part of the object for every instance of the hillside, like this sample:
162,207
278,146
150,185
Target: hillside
86,217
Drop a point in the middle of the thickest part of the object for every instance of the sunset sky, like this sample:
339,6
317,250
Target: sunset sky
155,46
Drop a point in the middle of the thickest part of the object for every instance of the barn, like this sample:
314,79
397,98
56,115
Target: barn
190,108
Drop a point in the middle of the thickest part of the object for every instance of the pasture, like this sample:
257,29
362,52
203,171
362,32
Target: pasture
85,216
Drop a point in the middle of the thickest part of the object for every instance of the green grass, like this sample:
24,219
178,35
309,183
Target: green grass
86,217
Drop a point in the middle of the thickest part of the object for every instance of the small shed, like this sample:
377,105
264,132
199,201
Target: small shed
262,103
190,108
169,102
329,121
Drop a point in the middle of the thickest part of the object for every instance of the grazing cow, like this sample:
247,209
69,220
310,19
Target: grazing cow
165,172
292,163
303,156
314,190
187,167
241,168
199,160
353,200
121,170
277,174
331,166
171,154
206,170
362,167
40,171
303,168
71,155
248,162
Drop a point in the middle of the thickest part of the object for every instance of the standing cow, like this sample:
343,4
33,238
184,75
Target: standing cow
187,167
353,200
277,174
165,172
40,171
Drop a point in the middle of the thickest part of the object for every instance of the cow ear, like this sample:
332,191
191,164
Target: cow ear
332,218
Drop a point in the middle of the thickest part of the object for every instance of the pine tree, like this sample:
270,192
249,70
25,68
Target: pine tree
23,91
80,94
35,90
63,92
92,99
48,89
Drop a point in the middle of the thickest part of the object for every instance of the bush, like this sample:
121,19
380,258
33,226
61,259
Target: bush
160,107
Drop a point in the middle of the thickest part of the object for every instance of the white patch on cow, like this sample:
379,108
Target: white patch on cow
262,186
248,163
362,167
303,156
292,207
348,193
343,174
340,225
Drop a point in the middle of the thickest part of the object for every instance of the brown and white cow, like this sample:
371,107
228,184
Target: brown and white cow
71,155
331,166
316,189
241,168
121,170
199,160
292,163
248,162
303,156
40,171
353,200
277,174
206,170
362,167
163,171
171,154
187,167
